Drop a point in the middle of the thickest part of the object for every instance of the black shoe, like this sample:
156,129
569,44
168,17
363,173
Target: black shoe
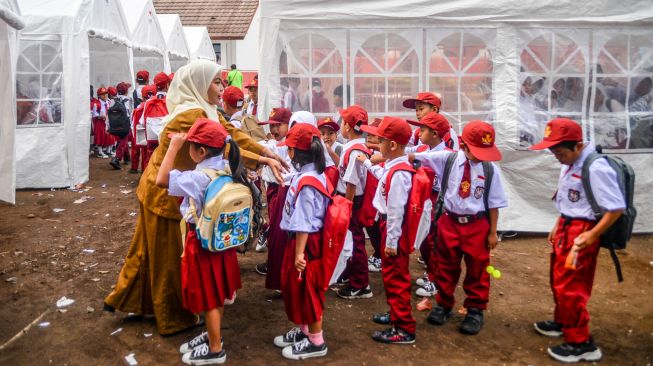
203,338
133,171
304,349
261,269
115,163
202,355
381,318
291,337
126,161
352,293
548,328
439,315
108,308
394,335
576,352
473,322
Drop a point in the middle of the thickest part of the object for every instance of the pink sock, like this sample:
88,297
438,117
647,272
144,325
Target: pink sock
316,338
304,328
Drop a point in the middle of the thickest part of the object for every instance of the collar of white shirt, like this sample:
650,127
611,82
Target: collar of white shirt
587,150
390,163
216,162
353,142
307,168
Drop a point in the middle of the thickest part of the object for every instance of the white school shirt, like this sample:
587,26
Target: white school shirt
234,120
250,108
193,184
395,207
338,146
473,204
306,212
570,199
282,151
354,173
439,147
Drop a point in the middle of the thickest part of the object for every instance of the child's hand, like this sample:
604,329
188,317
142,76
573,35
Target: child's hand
377,159
389,252
300,262
361,158
177,140
584,240
492,240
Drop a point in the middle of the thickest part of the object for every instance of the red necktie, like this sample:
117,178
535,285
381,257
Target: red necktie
254,110
465,182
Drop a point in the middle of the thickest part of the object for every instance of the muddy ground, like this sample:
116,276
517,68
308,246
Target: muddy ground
43,257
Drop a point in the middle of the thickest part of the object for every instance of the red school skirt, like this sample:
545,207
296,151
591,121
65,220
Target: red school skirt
101,137
207,278
303,299
277,237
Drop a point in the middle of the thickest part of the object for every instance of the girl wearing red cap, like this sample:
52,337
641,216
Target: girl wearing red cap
209,279
101,138
303,217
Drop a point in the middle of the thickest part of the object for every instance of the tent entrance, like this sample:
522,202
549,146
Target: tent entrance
109,63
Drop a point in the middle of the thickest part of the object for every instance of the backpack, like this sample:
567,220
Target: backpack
336,224
139,129
249,125
488,172
417,219
617,235
136,99
153,113
227,215
118,117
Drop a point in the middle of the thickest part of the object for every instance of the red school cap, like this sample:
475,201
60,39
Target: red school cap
143,75
434,121
300,136
278,116
148,89
208,133
253,84
233,96
328,122
479,137
391,128
123,87
557,131
101,91
112,91
355,116
161,79
426,97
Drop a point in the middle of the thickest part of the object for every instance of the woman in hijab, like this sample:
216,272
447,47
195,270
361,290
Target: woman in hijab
149,282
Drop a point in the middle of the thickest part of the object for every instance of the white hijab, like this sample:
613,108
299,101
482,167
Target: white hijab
189,89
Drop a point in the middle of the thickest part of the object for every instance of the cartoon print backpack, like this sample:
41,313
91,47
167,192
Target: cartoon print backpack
153,113
336,223
227,215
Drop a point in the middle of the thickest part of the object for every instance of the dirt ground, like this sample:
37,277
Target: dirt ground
43,257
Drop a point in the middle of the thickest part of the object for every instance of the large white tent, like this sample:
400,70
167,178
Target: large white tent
199,43
148,42
66,46
10,23
514,64
176,46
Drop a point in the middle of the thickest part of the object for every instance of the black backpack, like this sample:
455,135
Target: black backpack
119,124
136,99
617,235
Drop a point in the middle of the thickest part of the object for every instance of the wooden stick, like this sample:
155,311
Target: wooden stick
24,330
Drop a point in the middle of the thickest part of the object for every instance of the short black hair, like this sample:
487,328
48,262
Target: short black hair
337,91
569,145
233,66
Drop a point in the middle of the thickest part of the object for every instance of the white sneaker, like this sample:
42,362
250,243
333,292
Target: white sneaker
427,290
304,349
422,280
374,265
291,337
202,355
261,242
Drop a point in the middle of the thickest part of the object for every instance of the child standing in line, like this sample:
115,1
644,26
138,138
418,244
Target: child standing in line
139,143
101,139
374,232
424,104
329,130
577,230
303,217
209,279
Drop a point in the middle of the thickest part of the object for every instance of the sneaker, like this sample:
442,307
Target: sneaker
422,280
199,340
381,318
374,265
133,171
548,328
394,335
473,322
304,349
115,163
427,290
352,293
439,315
293,336
261,241
576,352
101,154
202,355
262,269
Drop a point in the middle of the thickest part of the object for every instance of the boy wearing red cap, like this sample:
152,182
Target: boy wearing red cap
162,82
577,231
252,91
424,104
467,228
394,134
142,79
139,144
351,185
329,130
233,100
122,149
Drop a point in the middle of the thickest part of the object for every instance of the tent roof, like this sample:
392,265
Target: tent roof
173,32
144,26
10,14
199,43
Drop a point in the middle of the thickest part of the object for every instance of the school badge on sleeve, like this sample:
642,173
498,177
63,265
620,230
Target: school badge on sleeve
573,195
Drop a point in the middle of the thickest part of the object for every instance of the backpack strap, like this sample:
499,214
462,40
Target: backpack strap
401,166
312,181
359,147
444,184
488,172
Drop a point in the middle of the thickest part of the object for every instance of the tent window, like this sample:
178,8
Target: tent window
621,107
311,70
39,80
460,70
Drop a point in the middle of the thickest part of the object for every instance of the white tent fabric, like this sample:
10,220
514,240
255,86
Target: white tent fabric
199,43
515,64
176,46
10,23
56,65
148,42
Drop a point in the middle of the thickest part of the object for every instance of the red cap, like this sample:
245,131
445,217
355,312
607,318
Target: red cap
376,123
171,76
434,121
557,131
208,133
301,136
427,97
101,91
391,128
479,137
278,116
253,84
143,75
328,122
148,89
161,80
233,96
112,91
123,87
354,116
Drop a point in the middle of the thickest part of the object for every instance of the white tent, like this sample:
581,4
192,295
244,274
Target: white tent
199,43
148,43
515,64
176,46
10,23
65,47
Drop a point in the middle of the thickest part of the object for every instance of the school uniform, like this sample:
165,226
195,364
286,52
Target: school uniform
304,212
101,137
139,143
122,150
463,229
572,288
236,119
374,231
207,278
